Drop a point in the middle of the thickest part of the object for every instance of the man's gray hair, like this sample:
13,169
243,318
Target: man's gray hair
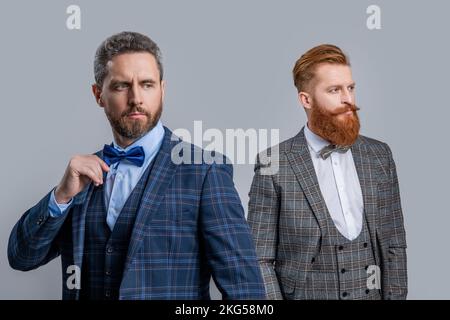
124,42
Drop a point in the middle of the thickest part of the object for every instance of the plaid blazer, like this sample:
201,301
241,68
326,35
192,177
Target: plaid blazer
190,225
287,215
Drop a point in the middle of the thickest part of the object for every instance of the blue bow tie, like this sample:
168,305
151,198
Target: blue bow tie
135,155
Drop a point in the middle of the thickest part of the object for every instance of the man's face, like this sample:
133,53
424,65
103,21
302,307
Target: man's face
332,113
132,94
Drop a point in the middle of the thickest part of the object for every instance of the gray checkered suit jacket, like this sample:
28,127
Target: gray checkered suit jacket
287,215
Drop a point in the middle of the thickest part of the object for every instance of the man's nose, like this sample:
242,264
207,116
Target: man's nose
346,97
135,97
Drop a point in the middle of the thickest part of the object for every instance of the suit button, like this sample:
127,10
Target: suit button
367,291
110,249
40,220
366,267
107,293
108,272
344,294
342,270
365,244
313,260
341,248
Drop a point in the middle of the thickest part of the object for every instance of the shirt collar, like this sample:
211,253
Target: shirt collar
315,141
148,141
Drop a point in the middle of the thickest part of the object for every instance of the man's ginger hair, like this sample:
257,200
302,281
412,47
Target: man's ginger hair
305,66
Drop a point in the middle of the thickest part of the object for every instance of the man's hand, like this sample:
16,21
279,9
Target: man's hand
82,169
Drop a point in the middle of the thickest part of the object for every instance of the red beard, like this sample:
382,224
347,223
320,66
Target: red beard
338,129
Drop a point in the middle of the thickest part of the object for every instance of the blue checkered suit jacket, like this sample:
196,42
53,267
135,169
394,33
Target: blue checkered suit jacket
190,225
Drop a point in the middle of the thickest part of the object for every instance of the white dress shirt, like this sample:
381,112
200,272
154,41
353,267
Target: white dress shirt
339,184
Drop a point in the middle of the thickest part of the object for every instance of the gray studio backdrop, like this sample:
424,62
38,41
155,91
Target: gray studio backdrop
228,64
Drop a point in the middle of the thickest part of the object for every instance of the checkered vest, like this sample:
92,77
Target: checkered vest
105,251
340,270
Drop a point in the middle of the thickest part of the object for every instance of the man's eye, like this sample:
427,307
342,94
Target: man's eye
334,90
351,88
120,86
148,85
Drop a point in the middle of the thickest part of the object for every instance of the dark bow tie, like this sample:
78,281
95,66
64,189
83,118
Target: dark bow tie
328,150
135,155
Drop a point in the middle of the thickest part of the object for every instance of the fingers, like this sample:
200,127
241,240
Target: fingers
100,166
90,166
98,172
103,164
93,168
93,173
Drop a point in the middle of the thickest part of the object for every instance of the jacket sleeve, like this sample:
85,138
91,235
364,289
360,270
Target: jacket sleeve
226,236
32,242
394,266
263,213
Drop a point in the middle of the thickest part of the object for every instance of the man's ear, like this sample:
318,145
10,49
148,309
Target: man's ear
97,91
305,99
163,87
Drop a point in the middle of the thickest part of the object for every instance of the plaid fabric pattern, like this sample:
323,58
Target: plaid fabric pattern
190,226
288,217
105,251
339,271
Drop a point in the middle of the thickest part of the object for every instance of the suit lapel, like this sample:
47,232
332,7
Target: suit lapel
160,177
301,163
367,179
78,228
79,219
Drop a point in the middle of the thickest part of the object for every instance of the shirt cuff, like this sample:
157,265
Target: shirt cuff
57,209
